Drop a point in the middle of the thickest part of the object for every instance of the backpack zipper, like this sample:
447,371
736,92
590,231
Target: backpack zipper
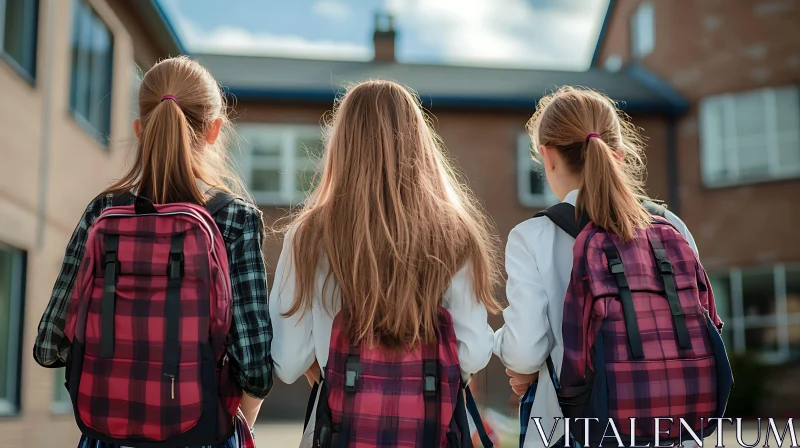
193,215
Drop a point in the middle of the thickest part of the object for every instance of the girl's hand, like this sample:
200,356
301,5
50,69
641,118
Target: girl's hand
520,382
313,374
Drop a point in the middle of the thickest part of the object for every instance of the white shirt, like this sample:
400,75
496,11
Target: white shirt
298,341
539,264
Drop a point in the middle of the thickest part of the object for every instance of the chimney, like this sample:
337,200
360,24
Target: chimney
384,38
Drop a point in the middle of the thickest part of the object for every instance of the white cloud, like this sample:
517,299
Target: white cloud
332,9
504,32
234,40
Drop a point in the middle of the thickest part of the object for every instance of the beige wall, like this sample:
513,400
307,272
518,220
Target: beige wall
79,168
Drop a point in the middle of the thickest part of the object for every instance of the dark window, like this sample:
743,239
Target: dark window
18,29
92,58
12,280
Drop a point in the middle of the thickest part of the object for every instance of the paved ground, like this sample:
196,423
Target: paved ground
287,434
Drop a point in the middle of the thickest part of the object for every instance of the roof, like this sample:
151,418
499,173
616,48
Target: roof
286,79
602,36
159,25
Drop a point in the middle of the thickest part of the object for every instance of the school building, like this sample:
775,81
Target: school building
67,77
713,84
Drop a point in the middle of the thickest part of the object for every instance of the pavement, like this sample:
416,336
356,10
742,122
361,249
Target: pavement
288,434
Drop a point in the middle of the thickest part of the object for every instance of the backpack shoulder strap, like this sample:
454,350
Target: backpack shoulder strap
654,208
124,198
472,408
563,215
218,201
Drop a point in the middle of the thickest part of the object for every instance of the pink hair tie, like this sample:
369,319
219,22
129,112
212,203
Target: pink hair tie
169,97
590,136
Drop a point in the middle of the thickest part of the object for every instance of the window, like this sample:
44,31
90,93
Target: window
19,21
643,32
750,137
761,310
62,403
92,57
12,281
532,187
279,162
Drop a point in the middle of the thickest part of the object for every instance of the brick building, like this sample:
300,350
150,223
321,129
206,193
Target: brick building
737,160
67,74
480,114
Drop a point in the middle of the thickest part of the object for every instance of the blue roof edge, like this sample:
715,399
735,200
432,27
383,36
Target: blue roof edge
677,103
428,101
602,35
170,27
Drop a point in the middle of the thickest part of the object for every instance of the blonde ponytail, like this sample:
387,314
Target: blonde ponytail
598,143
179,102
606,194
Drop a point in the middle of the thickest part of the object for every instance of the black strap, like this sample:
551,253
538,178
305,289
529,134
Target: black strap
563,216
616,267
430,392
124,198
172,312
352,381
472,408
219,201
311,400
144,206
111,268
671,291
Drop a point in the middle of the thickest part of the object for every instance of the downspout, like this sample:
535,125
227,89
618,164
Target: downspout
673,187
47,105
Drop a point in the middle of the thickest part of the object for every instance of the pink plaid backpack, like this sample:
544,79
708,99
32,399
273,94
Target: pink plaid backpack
148,319
638,339
374,398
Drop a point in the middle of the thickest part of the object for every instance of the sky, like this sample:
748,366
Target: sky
546,34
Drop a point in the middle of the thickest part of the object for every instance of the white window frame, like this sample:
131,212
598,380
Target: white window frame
524,165
737,322
714,148
287,165
10,404
643,21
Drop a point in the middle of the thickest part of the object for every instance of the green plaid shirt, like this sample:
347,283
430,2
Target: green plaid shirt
251,332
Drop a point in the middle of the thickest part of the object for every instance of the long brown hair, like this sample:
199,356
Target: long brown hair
392,219
172,152
611,167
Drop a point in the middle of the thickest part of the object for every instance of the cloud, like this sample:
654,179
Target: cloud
235,40
542,33
332,9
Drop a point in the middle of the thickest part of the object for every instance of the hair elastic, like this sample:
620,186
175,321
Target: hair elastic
169,97
590,136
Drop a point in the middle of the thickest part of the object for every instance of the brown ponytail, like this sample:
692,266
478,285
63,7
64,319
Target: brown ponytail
598,142
179,102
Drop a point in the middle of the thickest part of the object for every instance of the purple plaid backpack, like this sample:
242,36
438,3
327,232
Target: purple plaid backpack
641,336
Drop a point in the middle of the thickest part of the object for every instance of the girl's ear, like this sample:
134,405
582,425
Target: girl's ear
213,131
547,158
137,128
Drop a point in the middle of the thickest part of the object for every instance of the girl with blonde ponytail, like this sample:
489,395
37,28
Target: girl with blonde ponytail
593,159
181,157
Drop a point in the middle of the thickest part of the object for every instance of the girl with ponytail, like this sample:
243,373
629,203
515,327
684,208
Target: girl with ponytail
593,159
181,157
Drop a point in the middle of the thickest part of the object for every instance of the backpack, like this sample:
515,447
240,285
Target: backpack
379,398
148,320
638,342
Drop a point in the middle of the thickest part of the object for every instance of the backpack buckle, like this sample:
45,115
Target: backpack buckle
352,372
111,258
175,265
430,378
616,267
665,267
